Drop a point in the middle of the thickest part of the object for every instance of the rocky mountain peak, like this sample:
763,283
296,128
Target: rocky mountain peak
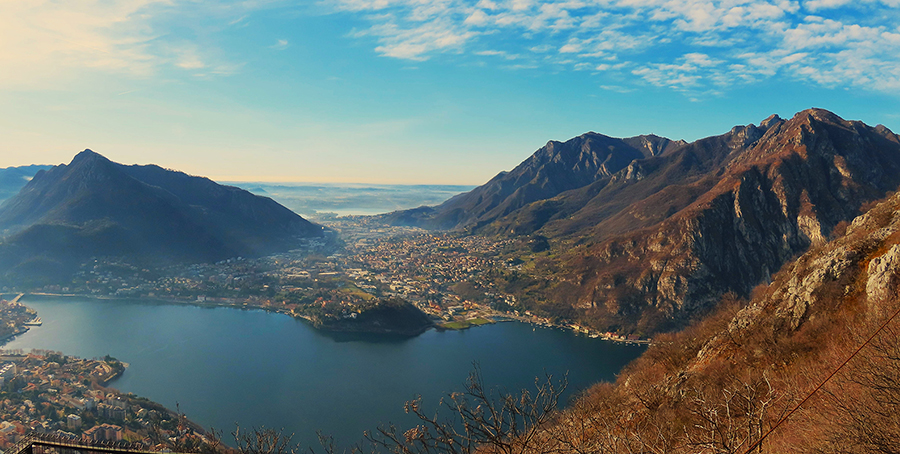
665,228
771,120
87,154
90,159
653,145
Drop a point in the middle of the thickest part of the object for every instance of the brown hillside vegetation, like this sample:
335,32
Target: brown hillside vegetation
715,216
643,239
721,385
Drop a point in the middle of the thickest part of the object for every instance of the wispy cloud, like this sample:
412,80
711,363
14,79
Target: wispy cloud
46,41
498,53
51,37
695,46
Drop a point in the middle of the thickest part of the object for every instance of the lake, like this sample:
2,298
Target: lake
225,366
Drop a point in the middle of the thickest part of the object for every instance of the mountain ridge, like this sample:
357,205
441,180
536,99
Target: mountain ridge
95,207
554,168
809,363
654,244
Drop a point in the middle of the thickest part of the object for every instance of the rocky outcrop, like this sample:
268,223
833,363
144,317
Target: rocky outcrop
787,185
860,267
884,276
646,233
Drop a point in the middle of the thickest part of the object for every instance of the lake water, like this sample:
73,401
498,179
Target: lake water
225,366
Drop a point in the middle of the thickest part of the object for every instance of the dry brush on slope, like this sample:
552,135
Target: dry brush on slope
731,383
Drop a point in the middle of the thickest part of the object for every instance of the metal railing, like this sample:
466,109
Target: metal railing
27,445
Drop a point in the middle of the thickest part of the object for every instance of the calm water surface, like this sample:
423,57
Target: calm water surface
225,366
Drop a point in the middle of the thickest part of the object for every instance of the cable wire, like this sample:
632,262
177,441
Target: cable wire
833,373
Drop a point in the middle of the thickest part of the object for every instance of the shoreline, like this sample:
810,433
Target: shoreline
495,318
9,337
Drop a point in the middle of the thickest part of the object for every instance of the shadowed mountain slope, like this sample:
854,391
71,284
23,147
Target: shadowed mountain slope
94,207
553,169
13,179
783,188
650,239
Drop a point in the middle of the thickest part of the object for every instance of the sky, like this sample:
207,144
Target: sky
417,91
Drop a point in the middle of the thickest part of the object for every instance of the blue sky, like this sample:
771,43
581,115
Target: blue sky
415,91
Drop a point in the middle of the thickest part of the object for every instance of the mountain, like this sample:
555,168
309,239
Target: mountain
727,229
650,243
811,363
553,169
795,332
12,179
94,207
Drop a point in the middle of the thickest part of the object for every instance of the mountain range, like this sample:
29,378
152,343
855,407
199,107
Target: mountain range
12,179
647,233
809,364
94,207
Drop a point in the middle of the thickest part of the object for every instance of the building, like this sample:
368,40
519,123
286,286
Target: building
103,432
7,371
73,422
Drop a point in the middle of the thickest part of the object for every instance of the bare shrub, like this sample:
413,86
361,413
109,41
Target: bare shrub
479,420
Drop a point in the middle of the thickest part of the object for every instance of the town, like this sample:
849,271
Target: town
459,281
15,318
46,392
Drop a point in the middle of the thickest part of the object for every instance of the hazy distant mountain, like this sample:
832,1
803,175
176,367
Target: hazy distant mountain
649,240
12,179
95,207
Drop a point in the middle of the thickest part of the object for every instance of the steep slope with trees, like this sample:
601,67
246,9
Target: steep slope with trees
94,207
810,364
654,245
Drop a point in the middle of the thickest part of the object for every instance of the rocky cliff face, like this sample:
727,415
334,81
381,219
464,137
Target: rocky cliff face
818,339
785,185
857,275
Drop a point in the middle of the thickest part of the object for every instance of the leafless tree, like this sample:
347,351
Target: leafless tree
263,440
731,418
480,420
605,421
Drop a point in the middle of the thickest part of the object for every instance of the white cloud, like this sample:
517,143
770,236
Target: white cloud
477,18
701,60
570,48
498,53
46,42
42,37
816,5
617,88
188,59
417,43
718,42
